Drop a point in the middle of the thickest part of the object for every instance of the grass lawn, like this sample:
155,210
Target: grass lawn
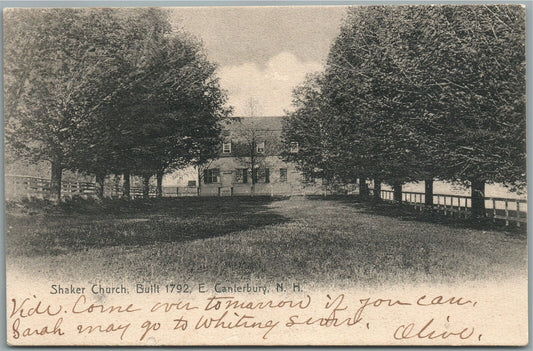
258,239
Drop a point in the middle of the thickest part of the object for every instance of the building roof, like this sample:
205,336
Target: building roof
267,123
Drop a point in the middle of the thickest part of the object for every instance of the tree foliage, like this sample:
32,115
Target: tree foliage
417,92
108,91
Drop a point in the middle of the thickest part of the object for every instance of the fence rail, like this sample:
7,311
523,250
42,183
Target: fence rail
19,187
508,210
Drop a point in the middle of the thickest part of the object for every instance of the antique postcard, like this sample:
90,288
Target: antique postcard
285,175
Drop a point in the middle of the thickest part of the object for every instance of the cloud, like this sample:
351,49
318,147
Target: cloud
271,85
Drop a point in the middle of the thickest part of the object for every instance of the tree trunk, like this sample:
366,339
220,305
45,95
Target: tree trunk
100,178
126,187
377,189
478,199
198,189
55,181
159,188
428,184
397,195
146,186
254,179
116,190
363,188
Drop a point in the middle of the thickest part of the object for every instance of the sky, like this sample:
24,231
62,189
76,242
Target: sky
263,52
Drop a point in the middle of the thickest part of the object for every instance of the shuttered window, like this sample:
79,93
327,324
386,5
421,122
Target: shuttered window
283,175
241,175
261,175
226,147
261,147
211,176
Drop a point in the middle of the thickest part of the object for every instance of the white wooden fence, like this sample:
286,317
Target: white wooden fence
509,210
20,187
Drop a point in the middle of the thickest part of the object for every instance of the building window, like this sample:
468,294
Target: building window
261,175
226,147
241,175
283,174
294,147
260,147
211,176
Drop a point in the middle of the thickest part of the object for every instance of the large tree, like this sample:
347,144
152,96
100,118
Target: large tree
62,66
369,100
309,135
179,110
104,141
479,70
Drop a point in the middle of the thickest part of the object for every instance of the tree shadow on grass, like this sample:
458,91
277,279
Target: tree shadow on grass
406,212
46,229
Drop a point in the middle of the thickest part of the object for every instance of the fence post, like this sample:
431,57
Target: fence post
506,213
452,207
29,184
517,213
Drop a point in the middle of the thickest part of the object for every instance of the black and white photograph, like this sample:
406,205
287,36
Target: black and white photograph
266,175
